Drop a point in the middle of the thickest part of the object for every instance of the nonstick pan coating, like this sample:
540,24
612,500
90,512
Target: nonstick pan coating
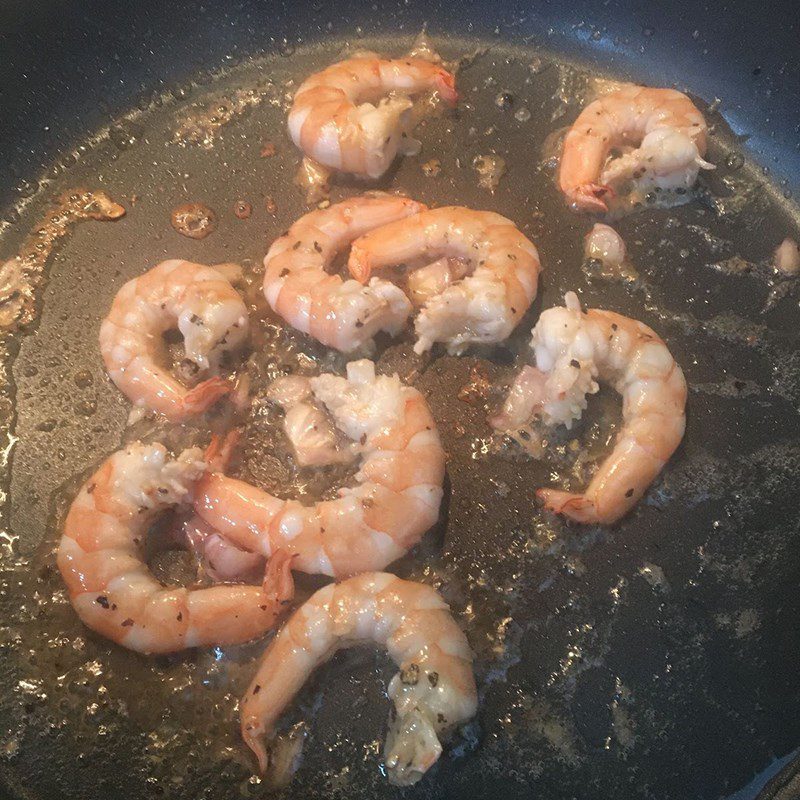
652,659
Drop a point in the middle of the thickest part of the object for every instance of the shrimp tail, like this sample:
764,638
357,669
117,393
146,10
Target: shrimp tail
253,735
205,394
446,86
278,581
359,263
219,452
574,506
589,197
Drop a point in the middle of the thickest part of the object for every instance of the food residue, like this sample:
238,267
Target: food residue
432,168
787,257
490,169
270,205
242,209
268,150
605,255
203,122
20,275
194,220
313,178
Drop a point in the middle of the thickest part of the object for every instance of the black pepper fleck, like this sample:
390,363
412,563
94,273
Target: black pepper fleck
410,675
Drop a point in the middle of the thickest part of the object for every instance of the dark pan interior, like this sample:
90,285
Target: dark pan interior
654,659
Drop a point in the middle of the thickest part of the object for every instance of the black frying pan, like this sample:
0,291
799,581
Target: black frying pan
655,659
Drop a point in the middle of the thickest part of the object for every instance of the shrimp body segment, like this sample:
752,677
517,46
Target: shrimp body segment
340,314
433,692
574,349
197,300
395,499
109,583
353,115
482,307
660,132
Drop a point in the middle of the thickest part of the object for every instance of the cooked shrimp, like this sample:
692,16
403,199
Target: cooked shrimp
574,350
109,584
485,306
353,116
433,692
664,125
340,314
202,304
315,440
395,500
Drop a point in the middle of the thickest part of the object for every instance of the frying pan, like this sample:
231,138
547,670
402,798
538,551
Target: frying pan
654,659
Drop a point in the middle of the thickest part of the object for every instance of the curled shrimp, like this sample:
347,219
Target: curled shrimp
340,314
574,349
203,305
353,115
433,692
109,583
484,306
665,127
395,500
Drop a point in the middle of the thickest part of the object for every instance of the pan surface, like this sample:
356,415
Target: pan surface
651,659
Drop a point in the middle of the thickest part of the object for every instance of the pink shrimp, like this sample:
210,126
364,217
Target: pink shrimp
112,589
484,306
340,314
664,125
573,349
353,115
203,305
396,498
433,692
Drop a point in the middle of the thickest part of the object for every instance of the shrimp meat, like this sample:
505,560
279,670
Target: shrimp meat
110,586
483,307
395,500
574,349
355,115
203,305
660,132
298,287
433,693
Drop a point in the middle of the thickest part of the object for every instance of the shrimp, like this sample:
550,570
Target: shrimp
340,314
197,300
483,307
395,500
316,441
664,125
354,115
433,692
109,584
574,349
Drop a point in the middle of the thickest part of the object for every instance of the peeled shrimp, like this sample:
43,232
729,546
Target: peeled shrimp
340,314
197,300
665,127
395,500
433,692
354,115
574,349
483,307
315,440
110,585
